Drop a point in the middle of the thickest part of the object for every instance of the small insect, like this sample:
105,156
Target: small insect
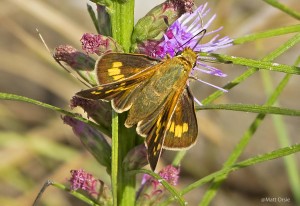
155,94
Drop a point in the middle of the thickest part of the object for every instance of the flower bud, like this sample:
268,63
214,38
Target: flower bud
96,188
99,111
79,62
92,139
136,158
99,44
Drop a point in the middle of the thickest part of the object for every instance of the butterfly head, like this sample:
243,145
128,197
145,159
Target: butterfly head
188,55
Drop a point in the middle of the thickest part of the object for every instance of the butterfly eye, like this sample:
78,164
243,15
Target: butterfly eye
178,53
166,20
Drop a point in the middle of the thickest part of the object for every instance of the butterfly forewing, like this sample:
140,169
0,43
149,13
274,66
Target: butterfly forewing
114,67
108,91
123,101
114,87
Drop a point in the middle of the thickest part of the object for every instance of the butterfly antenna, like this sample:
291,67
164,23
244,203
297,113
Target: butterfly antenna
202,33
60,64
42,39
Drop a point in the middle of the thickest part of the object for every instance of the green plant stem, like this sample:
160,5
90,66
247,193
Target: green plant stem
225,171
291,42
248,162
122,20
283,138
63,187
115,159
6,96
75,194
123,139
209,195
284,8
267,34
262,109
258,64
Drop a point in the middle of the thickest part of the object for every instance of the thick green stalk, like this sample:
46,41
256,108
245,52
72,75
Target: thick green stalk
123,139
122,20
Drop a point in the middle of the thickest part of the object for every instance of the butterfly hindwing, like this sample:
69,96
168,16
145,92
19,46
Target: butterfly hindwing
155,139
182,130
175,127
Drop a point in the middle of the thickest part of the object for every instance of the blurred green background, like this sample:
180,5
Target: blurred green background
36,146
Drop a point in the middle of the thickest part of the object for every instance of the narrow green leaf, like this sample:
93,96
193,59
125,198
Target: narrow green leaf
270,57
268,156
246,163
251,108
6,96
266,34
63,187
179,156
104,23
259,64
93,17
283,8
75,194
253,127
291,163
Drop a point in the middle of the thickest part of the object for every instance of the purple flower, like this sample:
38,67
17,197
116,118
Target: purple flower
181,5
170,174
99,44
156,192
187,31
91,43
83,180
